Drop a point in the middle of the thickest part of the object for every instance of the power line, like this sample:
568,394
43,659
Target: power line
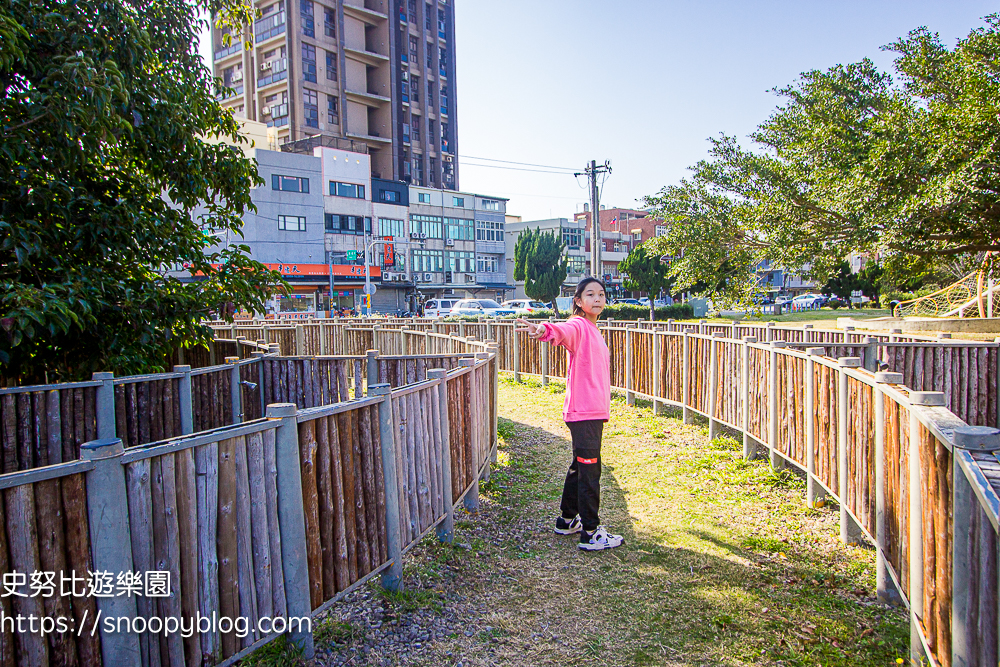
496,166
526,164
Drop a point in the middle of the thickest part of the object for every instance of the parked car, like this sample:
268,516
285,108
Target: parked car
631,302
644,302
485,307
439,307
806,301
782,299
524,306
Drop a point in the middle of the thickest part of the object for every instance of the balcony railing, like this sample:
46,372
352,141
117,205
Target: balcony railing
235,47
268,27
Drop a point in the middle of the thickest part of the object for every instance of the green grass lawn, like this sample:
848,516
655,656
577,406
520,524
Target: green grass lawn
824,315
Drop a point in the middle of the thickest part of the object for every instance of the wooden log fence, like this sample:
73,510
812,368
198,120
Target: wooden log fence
262,518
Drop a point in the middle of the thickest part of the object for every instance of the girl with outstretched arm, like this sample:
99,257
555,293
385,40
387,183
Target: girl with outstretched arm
586,408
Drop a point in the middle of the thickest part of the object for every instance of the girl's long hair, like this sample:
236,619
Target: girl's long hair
582,285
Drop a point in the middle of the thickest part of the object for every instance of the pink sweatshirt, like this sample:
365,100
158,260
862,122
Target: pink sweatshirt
588,382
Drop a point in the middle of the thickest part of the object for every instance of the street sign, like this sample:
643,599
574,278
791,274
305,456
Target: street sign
352,255
370,288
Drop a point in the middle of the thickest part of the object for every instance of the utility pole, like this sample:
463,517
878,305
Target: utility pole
596,242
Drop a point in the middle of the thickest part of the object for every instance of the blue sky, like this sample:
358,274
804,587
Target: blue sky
643,83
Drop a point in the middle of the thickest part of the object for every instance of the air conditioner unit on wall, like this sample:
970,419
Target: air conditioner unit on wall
266,111
265,66
448,158
238,75
427,277
422,236
450,242
414,235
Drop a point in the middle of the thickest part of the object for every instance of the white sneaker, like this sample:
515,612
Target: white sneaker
568,526
599,539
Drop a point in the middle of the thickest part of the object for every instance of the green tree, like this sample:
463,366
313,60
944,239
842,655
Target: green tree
108,114
540,263
854,160
646,273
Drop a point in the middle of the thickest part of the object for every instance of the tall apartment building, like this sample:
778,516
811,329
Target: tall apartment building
374,76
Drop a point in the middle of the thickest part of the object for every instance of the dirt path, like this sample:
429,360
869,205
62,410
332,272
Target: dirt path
723,564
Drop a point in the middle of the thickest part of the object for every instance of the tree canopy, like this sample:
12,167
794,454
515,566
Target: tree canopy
540,263
107,115
645,273
904,166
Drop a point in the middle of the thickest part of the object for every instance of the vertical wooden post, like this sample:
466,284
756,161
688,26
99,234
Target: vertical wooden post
371,369
485,476
884,587
392,577
267,334
471,499
211,352
814,491
515,347
235,395
713,386
686,380
105,405
257,355
545,364
702,326
964,502
629,358
777,460
110,542
274,348
300,340
292,519
847,335
871,354
749,443
445,529
850,532
404,341
894,335
322,339
659,407
184,399
461,329
916,555
494,347
807,333
770,332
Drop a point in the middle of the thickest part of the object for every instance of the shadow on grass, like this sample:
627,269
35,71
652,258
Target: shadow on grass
719,595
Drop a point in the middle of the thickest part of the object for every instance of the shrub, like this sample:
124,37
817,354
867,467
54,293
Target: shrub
836,303
626,311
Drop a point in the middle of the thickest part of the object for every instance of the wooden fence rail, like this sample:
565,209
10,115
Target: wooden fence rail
259,518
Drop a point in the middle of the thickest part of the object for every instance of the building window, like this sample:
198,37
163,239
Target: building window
390,227
332,115
637,235
491,205
488,263
329,22
418,164
415,90
572,237
460,261
390,196
459,229
661,230
331,66
434,170
347,224
428,14
458,201
423,197
351,190
416,130
489,231
576,264
306,12
441,23
289,183
291,223
309,62
310,107
413,48
427,261
426,224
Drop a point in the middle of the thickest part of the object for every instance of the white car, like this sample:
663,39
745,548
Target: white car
524,306
806,301
439,307
484,307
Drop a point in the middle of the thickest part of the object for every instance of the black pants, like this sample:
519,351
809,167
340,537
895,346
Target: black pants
582,490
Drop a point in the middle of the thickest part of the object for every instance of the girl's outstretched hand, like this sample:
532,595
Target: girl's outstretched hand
535,331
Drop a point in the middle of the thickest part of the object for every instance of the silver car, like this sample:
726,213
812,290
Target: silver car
484,307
